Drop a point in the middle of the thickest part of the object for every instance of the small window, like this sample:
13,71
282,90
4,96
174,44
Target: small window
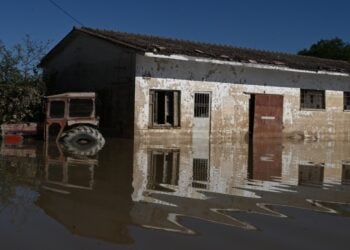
164,108
312,99
347,101
81,107
201,105
57,109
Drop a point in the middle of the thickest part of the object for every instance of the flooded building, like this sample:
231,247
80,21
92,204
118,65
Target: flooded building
159,87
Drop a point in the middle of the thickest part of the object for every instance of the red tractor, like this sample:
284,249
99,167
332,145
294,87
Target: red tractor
74,114
71,117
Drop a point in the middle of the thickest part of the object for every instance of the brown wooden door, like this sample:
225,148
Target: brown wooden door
268,115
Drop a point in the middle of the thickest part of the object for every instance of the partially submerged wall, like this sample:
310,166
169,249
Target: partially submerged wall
90,64
230,87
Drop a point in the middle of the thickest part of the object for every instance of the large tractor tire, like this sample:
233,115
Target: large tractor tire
83,140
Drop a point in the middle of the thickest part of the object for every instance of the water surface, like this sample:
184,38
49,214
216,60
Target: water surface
173,195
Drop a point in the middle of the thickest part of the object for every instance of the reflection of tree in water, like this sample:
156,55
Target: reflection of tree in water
17,180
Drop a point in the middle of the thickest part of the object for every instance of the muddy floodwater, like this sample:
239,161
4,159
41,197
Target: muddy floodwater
176,195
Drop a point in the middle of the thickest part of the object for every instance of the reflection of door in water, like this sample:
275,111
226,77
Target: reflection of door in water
266,115
265,159
201,119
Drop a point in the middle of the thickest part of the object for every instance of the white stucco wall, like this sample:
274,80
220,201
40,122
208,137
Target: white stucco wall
229,86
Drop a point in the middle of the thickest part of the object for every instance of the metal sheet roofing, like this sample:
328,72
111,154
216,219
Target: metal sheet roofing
170,46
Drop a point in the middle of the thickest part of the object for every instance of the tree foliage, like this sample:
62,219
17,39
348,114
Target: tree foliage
20,102
19,63
21,85
334,48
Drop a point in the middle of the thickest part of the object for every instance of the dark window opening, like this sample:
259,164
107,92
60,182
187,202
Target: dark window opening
57,109
81,107
163,169
164,108
312,99
311,175
346,100
201,105
200,173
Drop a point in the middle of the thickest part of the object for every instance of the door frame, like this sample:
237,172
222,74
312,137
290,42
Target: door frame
209,110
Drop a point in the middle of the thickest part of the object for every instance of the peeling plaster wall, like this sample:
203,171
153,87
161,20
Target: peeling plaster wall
230,103
90,64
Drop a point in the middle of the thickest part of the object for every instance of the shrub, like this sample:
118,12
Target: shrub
20,102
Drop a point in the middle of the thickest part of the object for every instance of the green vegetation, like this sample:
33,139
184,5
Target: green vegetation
334,48
20,102
21,85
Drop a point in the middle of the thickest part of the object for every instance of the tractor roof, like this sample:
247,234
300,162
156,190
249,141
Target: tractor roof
73,95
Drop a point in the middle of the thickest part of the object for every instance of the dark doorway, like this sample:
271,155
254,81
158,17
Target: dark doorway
251,114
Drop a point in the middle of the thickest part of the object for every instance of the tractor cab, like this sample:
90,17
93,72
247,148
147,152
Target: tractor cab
74,114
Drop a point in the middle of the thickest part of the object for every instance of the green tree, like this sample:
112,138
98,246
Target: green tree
334,48
21,84
9,72
19,63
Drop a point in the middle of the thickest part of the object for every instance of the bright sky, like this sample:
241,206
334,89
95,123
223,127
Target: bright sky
275,25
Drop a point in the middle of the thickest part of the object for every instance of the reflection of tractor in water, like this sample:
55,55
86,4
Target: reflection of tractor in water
74,116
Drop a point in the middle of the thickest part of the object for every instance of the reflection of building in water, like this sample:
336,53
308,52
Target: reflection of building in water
90,197
222,167
346,173
185,169
311,174
265,159
200,174
174,179
330,154
163,169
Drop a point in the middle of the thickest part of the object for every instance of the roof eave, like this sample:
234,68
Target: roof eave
61,44
238,63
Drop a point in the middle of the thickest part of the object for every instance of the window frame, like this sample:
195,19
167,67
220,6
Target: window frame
201,105
302,107
50,109
346,94
176,94
70,105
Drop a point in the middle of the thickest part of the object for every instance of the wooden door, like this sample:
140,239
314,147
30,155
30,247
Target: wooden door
268,116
